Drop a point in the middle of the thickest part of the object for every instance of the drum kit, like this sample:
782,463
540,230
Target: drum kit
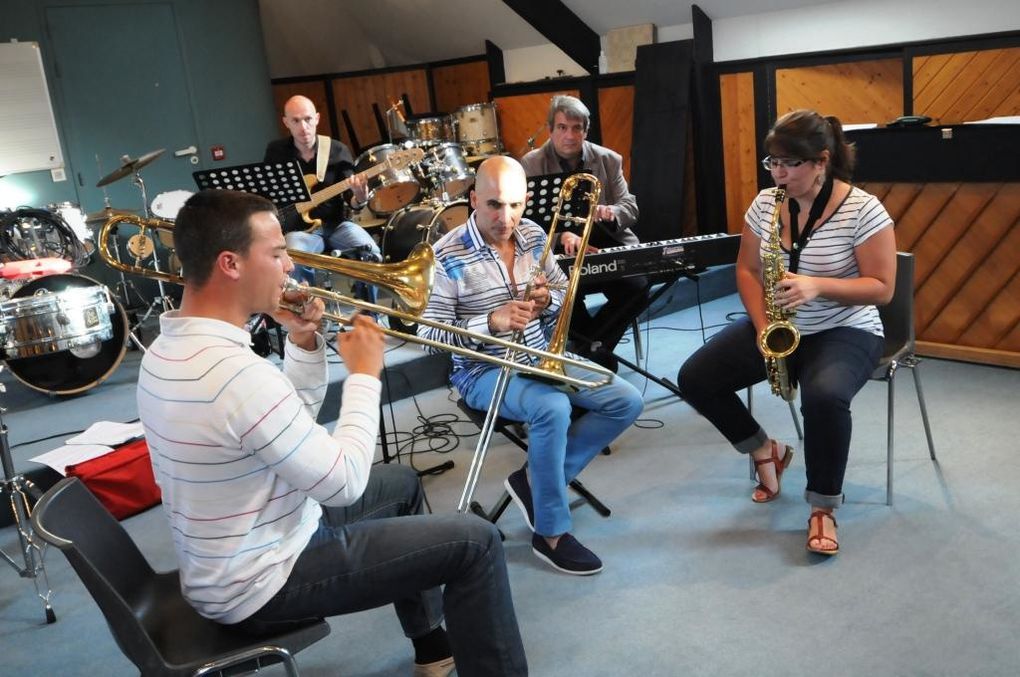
423,202
62,332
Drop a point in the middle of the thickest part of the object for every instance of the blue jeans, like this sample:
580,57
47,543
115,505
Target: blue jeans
382,550
558,449
346,236
830,366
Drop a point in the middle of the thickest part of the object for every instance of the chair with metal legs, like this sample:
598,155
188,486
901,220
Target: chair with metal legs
898,321
148,616
505,427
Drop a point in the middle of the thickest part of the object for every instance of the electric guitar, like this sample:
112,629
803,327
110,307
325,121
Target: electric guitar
398,160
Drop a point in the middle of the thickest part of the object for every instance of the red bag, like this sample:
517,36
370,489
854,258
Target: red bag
121,479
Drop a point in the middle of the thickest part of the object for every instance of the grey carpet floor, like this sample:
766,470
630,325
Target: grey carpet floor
698,580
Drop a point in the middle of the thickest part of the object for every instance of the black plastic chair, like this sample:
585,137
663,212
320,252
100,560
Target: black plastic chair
151,621
898,321
505,427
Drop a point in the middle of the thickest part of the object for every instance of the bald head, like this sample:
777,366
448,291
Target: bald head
499,198
500,170
301,120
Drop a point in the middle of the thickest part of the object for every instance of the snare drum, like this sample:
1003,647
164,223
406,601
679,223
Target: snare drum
449,170
63,334
421,223
392,188
428,131
478,129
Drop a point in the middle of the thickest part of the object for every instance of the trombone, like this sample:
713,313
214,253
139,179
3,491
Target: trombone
409,280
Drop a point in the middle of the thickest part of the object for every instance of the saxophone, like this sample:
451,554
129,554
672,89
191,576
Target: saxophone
780,337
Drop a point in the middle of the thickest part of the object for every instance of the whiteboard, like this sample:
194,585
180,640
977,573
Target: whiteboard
28,130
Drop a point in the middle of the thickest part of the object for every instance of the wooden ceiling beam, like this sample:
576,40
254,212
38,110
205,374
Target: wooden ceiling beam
563,28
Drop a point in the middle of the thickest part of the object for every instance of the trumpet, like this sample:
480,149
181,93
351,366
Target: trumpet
410,281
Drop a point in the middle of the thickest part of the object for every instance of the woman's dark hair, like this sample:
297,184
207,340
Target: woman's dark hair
214,221
804,134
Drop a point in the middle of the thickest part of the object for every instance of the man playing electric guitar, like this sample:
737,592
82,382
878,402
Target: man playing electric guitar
327,161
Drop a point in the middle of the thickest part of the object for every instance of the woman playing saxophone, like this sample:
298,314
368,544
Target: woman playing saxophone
838,256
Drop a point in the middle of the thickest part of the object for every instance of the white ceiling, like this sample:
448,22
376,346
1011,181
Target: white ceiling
306,37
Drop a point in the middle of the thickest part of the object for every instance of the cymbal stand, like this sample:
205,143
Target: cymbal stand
163,300
15,486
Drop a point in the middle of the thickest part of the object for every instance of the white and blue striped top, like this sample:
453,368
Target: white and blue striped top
829,253
240,460
471,281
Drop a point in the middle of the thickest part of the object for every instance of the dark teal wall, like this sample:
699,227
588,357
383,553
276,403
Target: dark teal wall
226,69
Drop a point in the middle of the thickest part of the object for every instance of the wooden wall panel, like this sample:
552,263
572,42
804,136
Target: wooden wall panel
616,120
739,146
460,85
967,280
524,115
316,91
357,94
954,88
855,91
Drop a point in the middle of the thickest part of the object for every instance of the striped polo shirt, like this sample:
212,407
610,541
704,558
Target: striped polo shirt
829,253
471,281
240,460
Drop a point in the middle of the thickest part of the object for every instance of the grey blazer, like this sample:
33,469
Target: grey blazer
607,166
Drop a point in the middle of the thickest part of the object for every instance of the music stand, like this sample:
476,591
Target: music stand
280,182
545,192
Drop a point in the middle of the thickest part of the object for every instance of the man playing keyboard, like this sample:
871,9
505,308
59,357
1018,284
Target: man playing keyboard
567,150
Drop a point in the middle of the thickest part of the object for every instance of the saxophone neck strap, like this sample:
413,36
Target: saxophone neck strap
798,239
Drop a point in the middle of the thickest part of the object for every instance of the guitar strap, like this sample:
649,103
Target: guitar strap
322,157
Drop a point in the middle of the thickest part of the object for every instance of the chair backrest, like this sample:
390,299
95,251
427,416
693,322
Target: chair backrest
898,315
108,562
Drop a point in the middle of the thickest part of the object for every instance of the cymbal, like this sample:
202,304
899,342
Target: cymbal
129,166
106,214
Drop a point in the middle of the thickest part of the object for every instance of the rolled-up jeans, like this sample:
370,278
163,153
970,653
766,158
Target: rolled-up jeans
344,237
830,366
558,448
381,550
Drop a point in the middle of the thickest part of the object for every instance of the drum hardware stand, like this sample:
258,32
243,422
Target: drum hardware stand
163,301
15,486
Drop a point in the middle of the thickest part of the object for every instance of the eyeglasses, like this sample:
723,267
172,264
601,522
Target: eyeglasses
773,163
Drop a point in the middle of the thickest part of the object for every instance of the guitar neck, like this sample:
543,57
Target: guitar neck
331,192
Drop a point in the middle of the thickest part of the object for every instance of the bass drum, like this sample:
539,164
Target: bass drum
421,223
77,301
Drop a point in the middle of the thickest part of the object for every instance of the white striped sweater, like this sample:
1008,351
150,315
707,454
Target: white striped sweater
829,253
241,462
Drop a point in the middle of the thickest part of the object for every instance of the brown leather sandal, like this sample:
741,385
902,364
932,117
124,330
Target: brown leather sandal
816,536
781,464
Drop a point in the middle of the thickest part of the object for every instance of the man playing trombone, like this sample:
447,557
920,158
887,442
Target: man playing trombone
274,518
483,268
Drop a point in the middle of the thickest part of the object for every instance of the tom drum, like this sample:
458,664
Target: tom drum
478,129
428,131
449,170
391,189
